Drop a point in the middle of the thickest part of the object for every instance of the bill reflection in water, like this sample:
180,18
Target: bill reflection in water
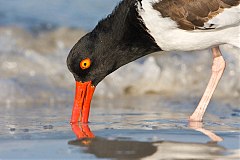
124,148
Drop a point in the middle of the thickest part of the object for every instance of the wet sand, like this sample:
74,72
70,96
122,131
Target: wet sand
150,127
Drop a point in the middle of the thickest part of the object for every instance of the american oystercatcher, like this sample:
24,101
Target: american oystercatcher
139,27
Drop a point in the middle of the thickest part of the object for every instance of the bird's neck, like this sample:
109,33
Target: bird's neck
124,32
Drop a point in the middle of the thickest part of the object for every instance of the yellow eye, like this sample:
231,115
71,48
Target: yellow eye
85,64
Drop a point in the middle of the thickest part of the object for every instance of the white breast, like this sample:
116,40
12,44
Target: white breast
169,37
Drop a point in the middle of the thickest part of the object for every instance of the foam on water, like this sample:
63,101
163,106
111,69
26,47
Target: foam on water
33,68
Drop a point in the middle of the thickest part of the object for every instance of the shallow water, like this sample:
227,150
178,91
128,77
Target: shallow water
150,127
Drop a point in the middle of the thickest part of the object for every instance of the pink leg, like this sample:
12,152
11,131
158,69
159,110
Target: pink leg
198,126
217,71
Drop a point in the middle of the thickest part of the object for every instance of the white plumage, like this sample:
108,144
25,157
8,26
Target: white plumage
169,37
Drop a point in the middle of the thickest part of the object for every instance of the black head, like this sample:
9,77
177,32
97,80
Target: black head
87,60
115,41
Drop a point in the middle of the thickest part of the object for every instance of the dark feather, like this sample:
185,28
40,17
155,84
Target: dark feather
192,14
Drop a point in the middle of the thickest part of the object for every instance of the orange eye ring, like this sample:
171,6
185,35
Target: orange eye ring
85,64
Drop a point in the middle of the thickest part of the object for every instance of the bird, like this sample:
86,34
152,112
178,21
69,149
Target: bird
137,28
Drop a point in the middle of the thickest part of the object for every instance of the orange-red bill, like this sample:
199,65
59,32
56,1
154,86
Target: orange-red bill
82,101
82,131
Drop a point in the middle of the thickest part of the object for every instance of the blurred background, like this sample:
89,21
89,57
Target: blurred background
36,36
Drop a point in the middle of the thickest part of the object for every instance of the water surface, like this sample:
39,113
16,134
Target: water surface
152,127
